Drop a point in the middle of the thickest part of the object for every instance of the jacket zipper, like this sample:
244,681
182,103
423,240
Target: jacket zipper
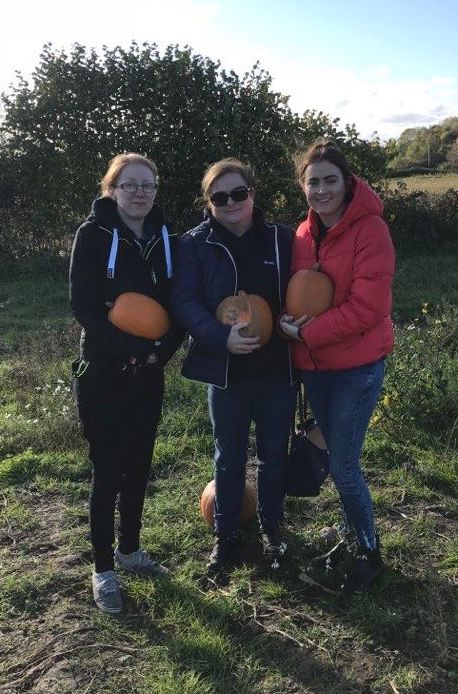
144,253
317,256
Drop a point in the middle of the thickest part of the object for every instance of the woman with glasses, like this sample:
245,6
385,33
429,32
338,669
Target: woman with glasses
236,249
341,353
124,246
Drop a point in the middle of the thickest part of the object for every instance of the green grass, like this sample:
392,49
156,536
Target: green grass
421,280
266,632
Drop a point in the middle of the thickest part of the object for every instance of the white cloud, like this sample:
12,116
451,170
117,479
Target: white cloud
373,103
372,98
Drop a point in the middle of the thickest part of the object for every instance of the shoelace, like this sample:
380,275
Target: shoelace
142,558
109,585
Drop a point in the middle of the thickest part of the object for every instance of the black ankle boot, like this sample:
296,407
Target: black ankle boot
366,566
273,547
222,553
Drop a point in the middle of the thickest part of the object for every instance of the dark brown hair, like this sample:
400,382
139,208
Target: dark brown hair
322,150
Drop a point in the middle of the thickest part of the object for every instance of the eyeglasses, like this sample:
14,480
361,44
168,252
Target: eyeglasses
130,187
221,198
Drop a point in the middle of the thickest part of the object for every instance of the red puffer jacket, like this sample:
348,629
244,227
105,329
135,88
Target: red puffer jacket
358,255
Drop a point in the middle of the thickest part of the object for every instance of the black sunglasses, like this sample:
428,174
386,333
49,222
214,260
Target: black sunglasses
238,194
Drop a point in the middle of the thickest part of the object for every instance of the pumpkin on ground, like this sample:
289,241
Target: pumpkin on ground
309,293
207,503
139,315
247,308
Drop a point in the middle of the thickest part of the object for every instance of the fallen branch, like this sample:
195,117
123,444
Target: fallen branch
393,687
290,614
305,578
404,515
38,655
49,660
291,638
437,508
449,539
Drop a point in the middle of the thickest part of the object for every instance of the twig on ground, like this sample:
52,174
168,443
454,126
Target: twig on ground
49,660
436,507
291,638
305,578
449,539
38,655
404,515
289,614
393,687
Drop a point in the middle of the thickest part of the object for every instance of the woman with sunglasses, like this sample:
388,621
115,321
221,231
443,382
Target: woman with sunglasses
341,353
236,249
124,246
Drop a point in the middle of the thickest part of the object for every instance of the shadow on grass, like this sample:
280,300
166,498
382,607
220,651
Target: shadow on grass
217,634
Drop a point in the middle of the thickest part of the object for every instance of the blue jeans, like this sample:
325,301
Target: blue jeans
342,403
269,403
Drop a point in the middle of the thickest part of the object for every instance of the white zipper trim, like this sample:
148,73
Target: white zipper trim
168,255
113,255
217,243
277,258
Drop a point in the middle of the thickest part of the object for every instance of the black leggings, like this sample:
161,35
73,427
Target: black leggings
119,413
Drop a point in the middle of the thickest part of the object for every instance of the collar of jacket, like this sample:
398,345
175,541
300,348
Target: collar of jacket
104,212
218,231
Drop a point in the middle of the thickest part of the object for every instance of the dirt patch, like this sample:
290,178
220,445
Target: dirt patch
46,632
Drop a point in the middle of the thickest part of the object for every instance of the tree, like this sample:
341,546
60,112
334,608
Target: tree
367,158
452,156
425,147
180,109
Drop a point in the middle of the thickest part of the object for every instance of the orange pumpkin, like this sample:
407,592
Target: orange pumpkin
249,308
207,503
139,315
309,293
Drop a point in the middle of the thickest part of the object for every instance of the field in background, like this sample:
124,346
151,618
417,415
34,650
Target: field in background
429,183
267,632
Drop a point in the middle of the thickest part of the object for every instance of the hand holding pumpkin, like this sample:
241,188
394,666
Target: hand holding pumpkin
237,344
290,327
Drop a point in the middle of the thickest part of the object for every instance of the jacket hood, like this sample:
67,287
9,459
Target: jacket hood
365,201
104,211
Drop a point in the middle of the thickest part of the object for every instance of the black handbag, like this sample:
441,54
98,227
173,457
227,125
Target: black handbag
308,460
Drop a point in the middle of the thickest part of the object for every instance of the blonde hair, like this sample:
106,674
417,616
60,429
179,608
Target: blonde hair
117,164
223,166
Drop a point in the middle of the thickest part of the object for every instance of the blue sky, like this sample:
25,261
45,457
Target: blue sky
384,65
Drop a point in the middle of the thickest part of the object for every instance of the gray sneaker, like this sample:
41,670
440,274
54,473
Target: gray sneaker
107,595
139,563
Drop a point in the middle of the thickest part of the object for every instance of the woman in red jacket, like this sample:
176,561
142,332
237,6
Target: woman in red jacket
341,353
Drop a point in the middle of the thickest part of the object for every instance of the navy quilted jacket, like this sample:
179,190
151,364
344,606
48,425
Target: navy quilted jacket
205,274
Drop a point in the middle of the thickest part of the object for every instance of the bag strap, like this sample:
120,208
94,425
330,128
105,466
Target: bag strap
301,408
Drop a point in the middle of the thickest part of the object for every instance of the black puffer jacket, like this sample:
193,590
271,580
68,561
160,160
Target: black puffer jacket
106,261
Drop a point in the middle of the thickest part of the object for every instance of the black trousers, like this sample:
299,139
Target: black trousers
119,411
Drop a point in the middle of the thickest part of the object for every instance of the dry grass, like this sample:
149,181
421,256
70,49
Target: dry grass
429,183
